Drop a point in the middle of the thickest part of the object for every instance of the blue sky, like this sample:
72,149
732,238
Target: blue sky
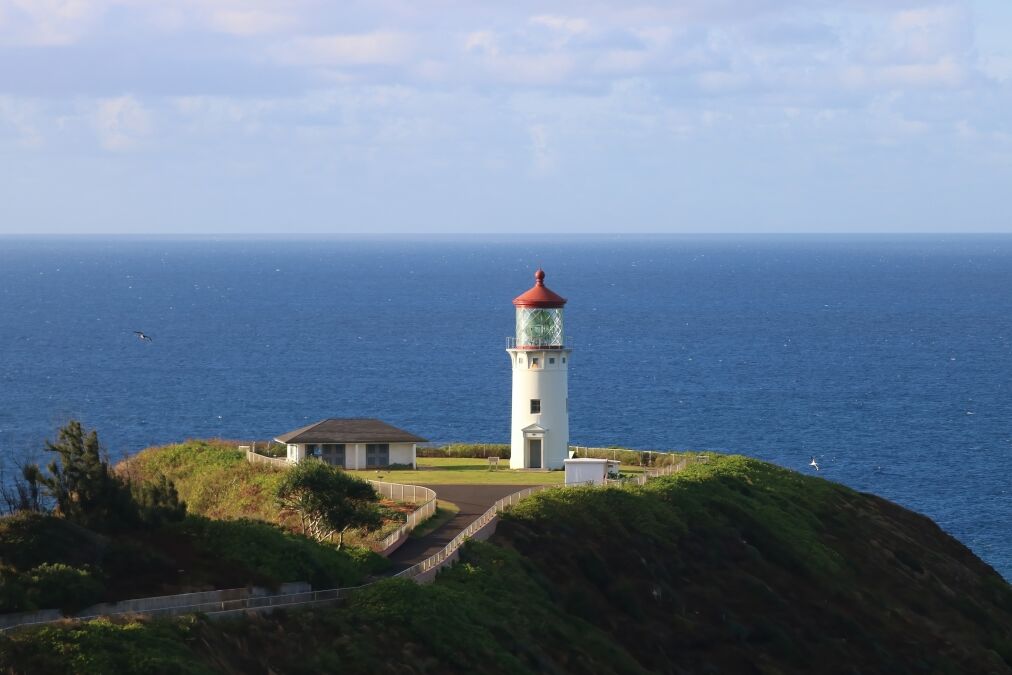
277,116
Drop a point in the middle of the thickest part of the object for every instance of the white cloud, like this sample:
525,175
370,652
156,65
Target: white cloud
376,48
251,21
622,61
942,73
482,41
563,24
121,123
49,22
531,69
23,117
544,160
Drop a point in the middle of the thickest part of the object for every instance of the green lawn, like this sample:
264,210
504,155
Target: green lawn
453,470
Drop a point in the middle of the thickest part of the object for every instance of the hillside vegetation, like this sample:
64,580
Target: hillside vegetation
105,538
215,480
733,566
212,477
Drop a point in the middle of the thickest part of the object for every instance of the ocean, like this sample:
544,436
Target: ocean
887,358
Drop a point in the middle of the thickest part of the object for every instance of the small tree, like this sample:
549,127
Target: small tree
24,491
327,500
84,488
158,502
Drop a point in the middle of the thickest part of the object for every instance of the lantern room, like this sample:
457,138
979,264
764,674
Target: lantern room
539,317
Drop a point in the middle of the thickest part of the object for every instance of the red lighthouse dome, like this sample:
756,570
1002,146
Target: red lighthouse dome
539,296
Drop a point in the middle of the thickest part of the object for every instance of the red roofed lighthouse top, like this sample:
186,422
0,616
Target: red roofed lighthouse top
539,296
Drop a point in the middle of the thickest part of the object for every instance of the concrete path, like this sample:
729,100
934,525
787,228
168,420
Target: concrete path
473,500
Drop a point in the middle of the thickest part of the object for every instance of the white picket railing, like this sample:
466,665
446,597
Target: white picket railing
257,458
665,470
416,494
484,519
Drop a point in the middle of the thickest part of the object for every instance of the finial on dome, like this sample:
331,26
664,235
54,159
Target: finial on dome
539,295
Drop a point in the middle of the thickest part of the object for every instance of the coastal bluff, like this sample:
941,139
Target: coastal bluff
731,566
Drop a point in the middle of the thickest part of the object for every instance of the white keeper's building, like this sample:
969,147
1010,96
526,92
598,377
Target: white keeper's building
352,443
540,428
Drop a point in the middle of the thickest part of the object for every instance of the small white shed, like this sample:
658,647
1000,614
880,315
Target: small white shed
589,470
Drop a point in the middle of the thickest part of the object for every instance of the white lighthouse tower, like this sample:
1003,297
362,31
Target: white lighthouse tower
540,432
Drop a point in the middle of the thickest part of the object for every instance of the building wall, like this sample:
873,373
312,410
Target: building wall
549,382
355,454
400,453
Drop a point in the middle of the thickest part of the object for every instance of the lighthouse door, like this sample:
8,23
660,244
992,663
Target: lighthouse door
534,453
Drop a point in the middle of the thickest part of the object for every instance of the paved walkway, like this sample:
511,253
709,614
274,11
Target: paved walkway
473,500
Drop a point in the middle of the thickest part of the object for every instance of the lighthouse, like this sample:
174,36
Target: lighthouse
539,437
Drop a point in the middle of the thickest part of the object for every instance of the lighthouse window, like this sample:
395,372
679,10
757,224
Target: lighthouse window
563,359
551,360
534,362
535,406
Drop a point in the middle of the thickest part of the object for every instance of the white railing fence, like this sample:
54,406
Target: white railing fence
665,470
257,458
415,494
484,519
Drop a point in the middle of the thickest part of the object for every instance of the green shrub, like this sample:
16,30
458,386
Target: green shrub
655,458
59,586
102,647
273,556
474,450
158,502
31,539
13,595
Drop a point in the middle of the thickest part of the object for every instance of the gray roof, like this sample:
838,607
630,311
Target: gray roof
349,430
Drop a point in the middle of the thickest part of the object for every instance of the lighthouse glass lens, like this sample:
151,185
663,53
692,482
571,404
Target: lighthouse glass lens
539,327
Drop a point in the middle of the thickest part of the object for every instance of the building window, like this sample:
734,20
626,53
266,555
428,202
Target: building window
563,359
535,406
377,454
551,360
333,453
534,362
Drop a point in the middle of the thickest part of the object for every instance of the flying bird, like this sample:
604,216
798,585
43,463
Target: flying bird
141,336
814,463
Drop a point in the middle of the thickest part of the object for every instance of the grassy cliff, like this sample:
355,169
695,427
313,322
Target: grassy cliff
227,540
734,566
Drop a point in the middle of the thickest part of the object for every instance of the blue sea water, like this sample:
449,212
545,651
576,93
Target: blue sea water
887,358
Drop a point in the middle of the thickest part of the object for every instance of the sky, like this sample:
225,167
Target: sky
390,116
